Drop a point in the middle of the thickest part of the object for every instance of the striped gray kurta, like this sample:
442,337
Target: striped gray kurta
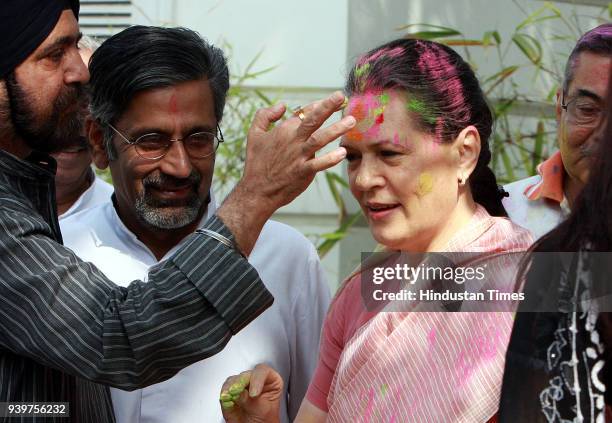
64,324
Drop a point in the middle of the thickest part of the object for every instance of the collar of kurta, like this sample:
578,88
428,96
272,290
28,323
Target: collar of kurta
550,185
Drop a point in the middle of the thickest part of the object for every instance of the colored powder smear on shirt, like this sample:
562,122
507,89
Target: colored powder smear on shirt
425,185
383,389
369,407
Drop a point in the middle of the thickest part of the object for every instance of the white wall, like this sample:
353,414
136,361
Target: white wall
307,41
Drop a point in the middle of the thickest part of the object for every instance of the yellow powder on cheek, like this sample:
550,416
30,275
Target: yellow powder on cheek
425,184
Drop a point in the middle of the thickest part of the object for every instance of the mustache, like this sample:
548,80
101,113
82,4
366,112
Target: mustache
161,180
74,93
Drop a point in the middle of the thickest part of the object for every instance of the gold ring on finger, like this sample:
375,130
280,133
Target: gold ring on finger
299,112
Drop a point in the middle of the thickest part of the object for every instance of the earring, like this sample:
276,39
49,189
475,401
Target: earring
461,181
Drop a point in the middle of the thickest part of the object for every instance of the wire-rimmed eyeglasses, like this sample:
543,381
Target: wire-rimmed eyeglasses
155,145
583,111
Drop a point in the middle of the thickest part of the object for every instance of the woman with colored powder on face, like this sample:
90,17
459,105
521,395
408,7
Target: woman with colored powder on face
418,166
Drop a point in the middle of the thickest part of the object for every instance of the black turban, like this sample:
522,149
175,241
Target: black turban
24,25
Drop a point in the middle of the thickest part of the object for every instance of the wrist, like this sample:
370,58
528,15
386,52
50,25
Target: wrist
244,214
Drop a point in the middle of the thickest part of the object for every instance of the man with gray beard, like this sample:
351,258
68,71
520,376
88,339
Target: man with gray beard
160,147
62,322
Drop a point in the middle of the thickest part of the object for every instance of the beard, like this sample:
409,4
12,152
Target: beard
61,129
169,214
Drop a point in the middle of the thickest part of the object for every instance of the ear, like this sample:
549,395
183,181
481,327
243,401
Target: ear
468,147
558,109
96,141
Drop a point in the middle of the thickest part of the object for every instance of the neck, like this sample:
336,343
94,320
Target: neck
461,216
159,241
571,188
67,194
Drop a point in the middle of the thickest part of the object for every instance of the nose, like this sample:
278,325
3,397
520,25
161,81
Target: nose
76,71
367,176
176,162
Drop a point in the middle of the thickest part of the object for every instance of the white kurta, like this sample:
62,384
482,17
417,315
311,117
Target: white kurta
538,216
286,336
99,192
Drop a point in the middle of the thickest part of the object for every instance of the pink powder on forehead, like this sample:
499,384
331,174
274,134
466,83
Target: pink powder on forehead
173,104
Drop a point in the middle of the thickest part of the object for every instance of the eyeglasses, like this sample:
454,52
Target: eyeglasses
583,111
154,146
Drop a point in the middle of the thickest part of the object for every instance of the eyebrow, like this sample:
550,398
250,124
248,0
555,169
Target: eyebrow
379,143
63,41
587,93
144,130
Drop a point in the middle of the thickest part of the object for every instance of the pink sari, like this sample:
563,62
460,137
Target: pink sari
432,366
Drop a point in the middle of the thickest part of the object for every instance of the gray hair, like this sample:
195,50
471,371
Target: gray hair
89,43
141,58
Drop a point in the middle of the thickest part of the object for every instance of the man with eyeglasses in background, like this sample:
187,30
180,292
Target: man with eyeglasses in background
63,324
155,123
541,202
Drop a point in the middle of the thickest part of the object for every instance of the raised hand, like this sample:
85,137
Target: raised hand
281,163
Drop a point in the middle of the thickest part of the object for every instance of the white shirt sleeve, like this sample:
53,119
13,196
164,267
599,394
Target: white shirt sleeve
309,309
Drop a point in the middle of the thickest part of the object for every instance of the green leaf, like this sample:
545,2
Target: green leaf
530,47
507,164
534,21
263,98
525,156
610,9
253,75
429,32
461,42
333,236
339,234
502,107
486,38
538,147
425,25
332,180
535,16
552,93
499,77
431,35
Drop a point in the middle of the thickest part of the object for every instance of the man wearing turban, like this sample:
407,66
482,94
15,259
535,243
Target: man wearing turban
66,331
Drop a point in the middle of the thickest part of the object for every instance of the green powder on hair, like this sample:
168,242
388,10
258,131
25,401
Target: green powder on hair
426,113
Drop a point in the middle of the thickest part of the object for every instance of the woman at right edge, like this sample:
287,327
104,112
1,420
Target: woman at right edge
559,360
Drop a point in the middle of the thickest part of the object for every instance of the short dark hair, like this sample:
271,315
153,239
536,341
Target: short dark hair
445,98
597,40
141,58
